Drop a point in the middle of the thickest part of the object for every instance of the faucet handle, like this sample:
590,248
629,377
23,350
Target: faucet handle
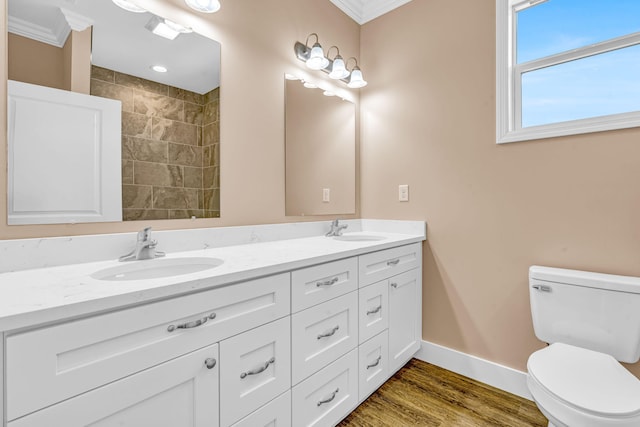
143,235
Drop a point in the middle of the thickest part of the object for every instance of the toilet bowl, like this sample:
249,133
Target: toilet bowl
576,387
591,321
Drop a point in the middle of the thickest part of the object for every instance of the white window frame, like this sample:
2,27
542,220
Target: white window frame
509,78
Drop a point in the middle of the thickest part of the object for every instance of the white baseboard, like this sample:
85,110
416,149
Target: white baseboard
502,377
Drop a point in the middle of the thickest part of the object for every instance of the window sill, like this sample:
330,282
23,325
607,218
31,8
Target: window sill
573,127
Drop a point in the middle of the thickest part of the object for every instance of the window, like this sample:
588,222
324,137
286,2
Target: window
566,67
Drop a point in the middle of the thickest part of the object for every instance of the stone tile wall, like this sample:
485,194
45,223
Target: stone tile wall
170,147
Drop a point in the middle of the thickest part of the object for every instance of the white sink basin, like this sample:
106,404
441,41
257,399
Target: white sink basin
359,237
156,268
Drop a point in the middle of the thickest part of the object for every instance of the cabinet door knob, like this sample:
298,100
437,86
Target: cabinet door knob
210,363
394,285
258,370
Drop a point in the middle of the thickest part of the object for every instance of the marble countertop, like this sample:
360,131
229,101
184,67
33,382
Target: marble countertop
45,295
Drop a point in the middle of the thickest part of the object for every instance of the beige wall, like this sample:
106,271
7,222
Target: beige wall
37,63
257,39
428,120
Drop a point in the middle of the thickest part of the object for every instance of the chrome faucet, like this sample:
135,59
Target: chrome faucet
336,228
145,247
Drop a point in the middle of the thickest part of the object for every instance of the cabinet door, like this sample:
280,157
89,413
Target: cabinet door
405,317
182,392
256,367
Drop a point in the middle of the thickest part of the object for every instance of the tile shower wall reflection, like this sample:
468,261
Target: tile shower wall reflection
170,147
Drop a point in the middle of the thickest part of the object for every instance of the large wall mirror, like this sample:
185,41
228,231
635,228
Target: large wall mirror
320,148
167,79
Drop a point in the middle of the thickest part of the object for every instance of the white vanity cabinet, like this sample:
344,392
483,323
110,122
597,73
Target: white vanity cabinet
295,348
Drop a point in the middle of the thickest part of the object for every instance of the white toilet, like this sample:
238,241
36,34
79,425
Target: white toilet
591,320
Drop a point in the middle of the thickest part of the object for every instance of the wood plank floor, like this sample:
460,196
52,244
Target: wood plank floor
421,394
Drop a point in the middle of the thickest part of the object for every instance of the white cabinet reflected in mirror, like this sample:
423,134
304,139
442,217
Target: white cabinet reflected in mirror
170,128
320,149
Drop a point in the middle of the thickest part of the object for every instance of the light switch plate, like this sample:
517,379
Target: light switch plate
326,195
403,193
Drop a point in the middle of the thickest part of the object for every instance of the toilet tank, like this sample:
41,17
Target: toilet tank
596,311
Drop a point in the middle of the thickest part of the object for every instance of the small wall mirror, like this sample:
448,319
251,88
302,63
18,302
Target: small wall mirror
166,78
320,147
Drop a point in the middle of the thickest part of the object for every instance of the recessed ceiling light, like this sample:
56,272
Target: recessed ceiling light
129,5
159,68
206,6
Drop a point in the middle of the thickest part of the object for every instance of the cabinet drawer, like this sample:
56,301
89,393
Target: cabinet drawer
373,310
68,359
182,392
255,368
276,413
327,397
320,283
321,334
381,265
373,364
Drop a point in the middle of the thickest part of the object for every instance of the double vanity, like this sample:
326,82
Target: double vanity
241,326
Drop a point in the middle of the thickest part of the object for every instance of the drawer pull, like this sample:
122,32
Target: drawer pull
329,399
210,363
258,370
374,311
327,282
393,262
374,364
191,325
394,285
330,333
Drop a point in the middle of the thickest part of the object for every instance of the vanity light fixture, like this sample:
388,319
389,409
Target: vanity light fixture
337,68
166,28
129,5
204,6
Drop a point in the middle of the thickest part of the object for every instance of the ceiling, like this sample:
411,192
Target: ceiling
120,41
363,11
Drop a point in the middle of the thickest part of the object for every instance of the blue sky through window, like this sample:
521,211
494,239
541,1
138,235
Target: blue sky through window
599,85
560,25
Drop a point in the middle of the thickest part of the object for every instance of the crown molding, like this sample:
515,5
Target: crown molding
363,11
76,21
56,36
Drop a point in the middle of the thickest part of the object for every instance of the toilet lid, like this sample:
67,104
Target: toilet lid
591,381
